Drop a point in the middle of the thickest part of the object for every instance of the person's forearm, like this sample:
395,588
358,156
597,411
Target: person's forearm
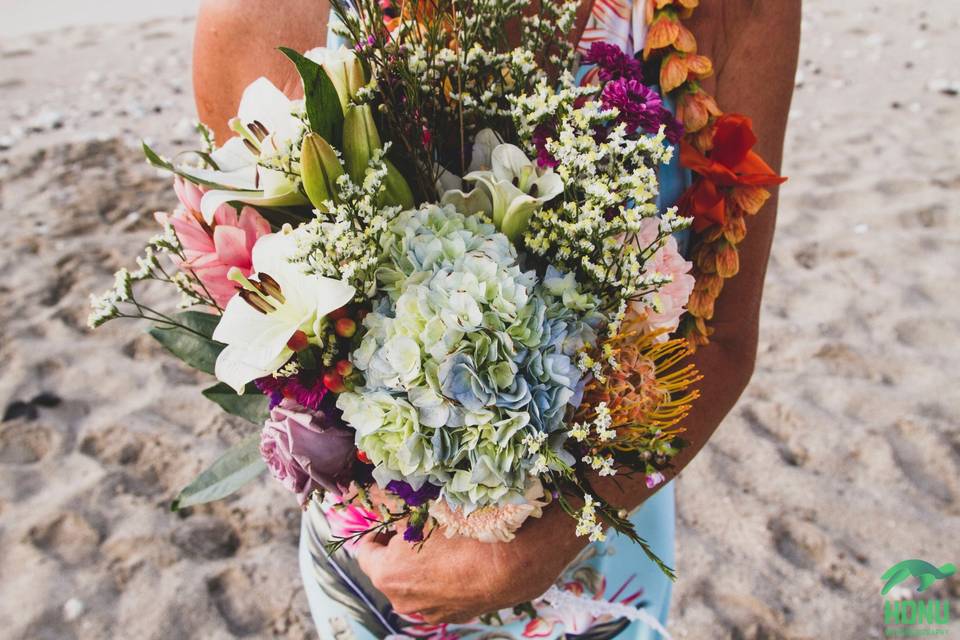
754,76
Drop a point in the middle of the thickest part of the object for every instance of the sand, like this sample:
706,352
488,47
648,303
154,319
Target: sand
842,458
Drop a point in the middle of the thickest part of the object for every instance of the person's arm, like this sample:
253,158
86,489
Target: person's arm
754,44
236,42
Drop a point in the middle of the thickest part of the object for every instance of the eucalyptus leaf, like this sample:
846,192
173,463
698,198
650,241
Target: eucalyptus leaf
252,405
320,98
190,340
235,468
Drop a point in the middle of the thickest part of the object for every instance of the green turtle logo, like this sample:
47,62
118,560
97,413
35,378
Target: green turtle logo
925,572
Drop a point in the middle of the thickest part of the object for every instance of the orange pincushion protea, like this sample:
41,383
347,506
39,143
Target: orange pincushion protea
648,391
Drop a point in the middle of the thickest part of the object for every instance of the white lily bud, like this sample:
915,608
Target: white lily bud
344,70
319,169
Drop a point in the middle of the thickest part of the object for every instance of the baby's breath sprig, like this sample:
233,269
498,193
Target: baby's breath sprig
445,69
611,189
120,301
345,242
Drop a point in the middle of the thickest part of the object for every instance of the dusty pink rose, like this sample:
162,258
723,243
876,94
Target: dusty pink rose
211,250
304,452
672,297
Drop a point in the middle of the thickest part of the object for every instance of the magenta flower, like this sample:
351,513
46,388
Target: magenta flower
541,135
654,479
305,451
306,390
211,250
640,106
613,63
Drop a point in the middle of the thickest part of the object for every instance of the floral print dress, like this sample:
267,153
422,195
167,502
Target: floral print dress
611,590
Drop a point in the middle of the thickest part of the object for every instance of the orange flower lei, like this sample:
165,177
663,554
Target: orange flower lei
730,179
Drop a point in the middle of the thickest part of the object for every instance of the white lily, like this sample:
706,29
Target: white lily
509,192
274,304
268,130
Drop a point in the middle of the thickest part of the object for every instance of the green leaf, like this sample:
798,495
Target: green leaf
320,97
189,339
238,466
277,216
158,161
252,405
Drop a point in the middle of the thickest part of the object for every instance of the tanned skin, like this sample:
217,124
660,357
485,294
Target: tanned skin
754,45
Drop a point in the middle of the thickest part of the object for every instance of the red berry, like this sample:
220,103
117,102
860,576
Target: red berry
345,327
344,368
362,457
333,381
298,341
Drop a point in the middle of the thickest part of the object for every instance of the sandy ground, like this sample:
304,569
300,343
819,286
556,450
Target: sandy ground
842,458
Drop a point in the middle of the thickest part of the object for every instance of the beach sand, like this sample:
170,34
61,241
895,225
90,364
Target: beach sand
842,458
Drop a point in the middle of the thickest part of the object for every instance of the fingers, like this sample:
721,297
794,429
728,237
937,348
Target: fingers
371,553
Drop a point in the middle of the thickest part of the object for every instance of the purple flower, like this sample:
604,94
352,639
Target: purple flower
613,63
541,134
413,497
305,451
640,106
413,533
654,479
272,387
674,128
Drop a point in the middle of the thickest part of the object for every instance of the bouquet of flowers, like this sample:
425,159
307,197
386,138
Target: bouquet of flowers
438,283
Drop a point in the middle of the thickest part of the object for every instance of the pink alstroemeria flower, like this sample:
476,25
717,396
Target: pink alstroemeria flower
348,519
211,250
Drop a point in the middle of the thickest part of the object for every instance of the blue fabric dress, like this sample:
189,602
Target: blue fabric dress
344,604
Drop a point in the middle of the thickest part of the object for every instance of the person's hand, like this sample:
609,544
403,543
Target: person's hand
457,579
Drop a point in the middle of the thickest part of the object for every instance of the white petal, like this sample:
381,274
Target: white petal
262,101
235,368
236,167
509,161
549,186
212,200
333,295
517,218
477,201
233,155
256,343
447,181
483,145
307,294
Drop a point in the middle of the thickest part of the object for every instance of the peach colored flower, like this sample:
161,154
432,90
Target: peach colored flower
211,250
492,523
677,68
672,297
696,108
